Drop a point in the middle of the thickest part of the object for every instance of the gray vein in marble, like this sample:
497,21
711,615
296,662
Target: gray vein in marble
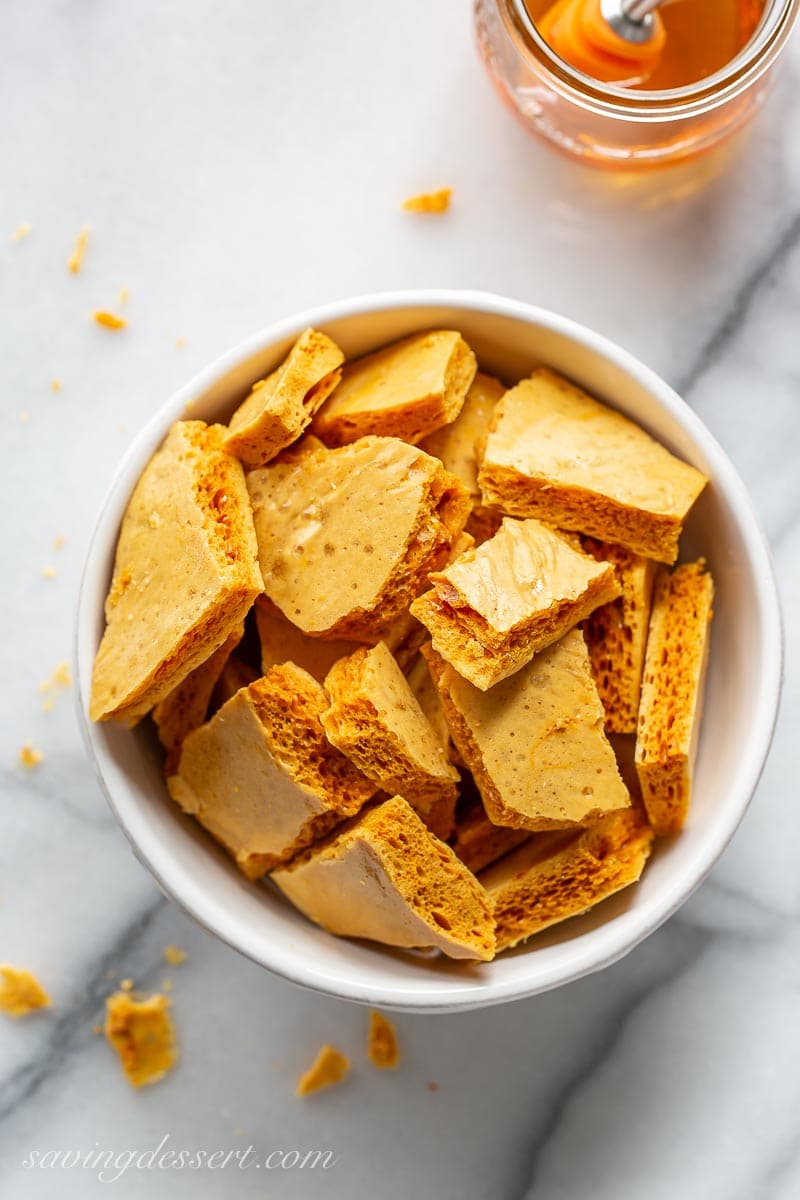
729,326
727,913
775,1173
727,892
77,791
692,946
68,1028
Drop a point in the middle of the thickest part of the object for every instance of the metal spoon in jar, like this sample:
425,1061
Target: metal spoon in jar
632,20
616,41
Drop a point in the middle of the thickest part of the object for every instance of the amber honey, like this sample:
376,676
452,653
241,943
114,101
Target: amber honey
718,65
703,36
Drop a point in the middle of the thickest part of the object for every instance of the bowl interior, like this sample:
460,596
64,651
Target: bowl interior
740,700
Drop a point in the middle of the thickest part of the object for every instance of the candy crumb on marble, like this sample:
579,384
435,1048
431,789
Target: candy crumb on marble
124,296
75,260
329,1068
143,1036
429,202
29,756
174,955
433,1087
20,992
55,385
58,541
21,231
61,678
126,985
108,320
382,1045
48,572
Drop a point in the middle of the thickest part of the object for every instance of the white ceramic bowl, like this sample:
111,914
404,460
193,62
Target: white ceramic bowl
741,694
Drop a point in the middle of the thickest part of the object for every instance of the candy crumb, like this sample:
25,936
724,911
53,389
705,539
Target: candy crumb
108,320
29,756
174,955
328,1069
20,992
75,260
429,202
142,1034
382,1042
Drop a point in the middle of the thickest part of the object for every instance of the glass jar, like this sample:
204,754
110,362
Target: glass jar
610,126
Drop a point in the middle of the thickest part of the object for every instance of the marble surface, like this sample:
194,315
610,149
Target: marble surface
236,163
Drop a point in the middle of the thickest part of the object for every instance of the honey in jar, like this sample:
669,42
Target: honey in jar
709,75
700,37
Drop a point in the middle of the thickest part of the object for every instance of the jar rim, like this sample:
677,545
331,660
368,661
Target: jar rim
692,99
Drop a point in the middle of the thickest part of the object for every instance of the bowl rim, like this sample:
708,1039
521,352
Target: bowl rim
611,944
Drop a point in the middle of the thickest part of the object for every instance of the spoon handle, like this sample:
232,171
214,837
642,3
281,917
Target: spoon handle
637,10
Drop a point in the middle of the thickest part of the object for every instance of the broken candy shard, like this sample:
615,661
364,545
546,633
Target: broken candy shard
376,721
497,605
347,537
261,775
383,876
672,692
559,875
535,742
555,453
185,574
406,390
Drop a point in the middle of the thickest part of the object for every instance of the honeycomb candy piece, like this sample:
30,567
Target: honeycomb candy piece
672,692
262,777
280,407
186,573
376,721
535,742
496,606
347,537
186,706
383,876
459,447
559,875
406,390
555,453
616,634
478,842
